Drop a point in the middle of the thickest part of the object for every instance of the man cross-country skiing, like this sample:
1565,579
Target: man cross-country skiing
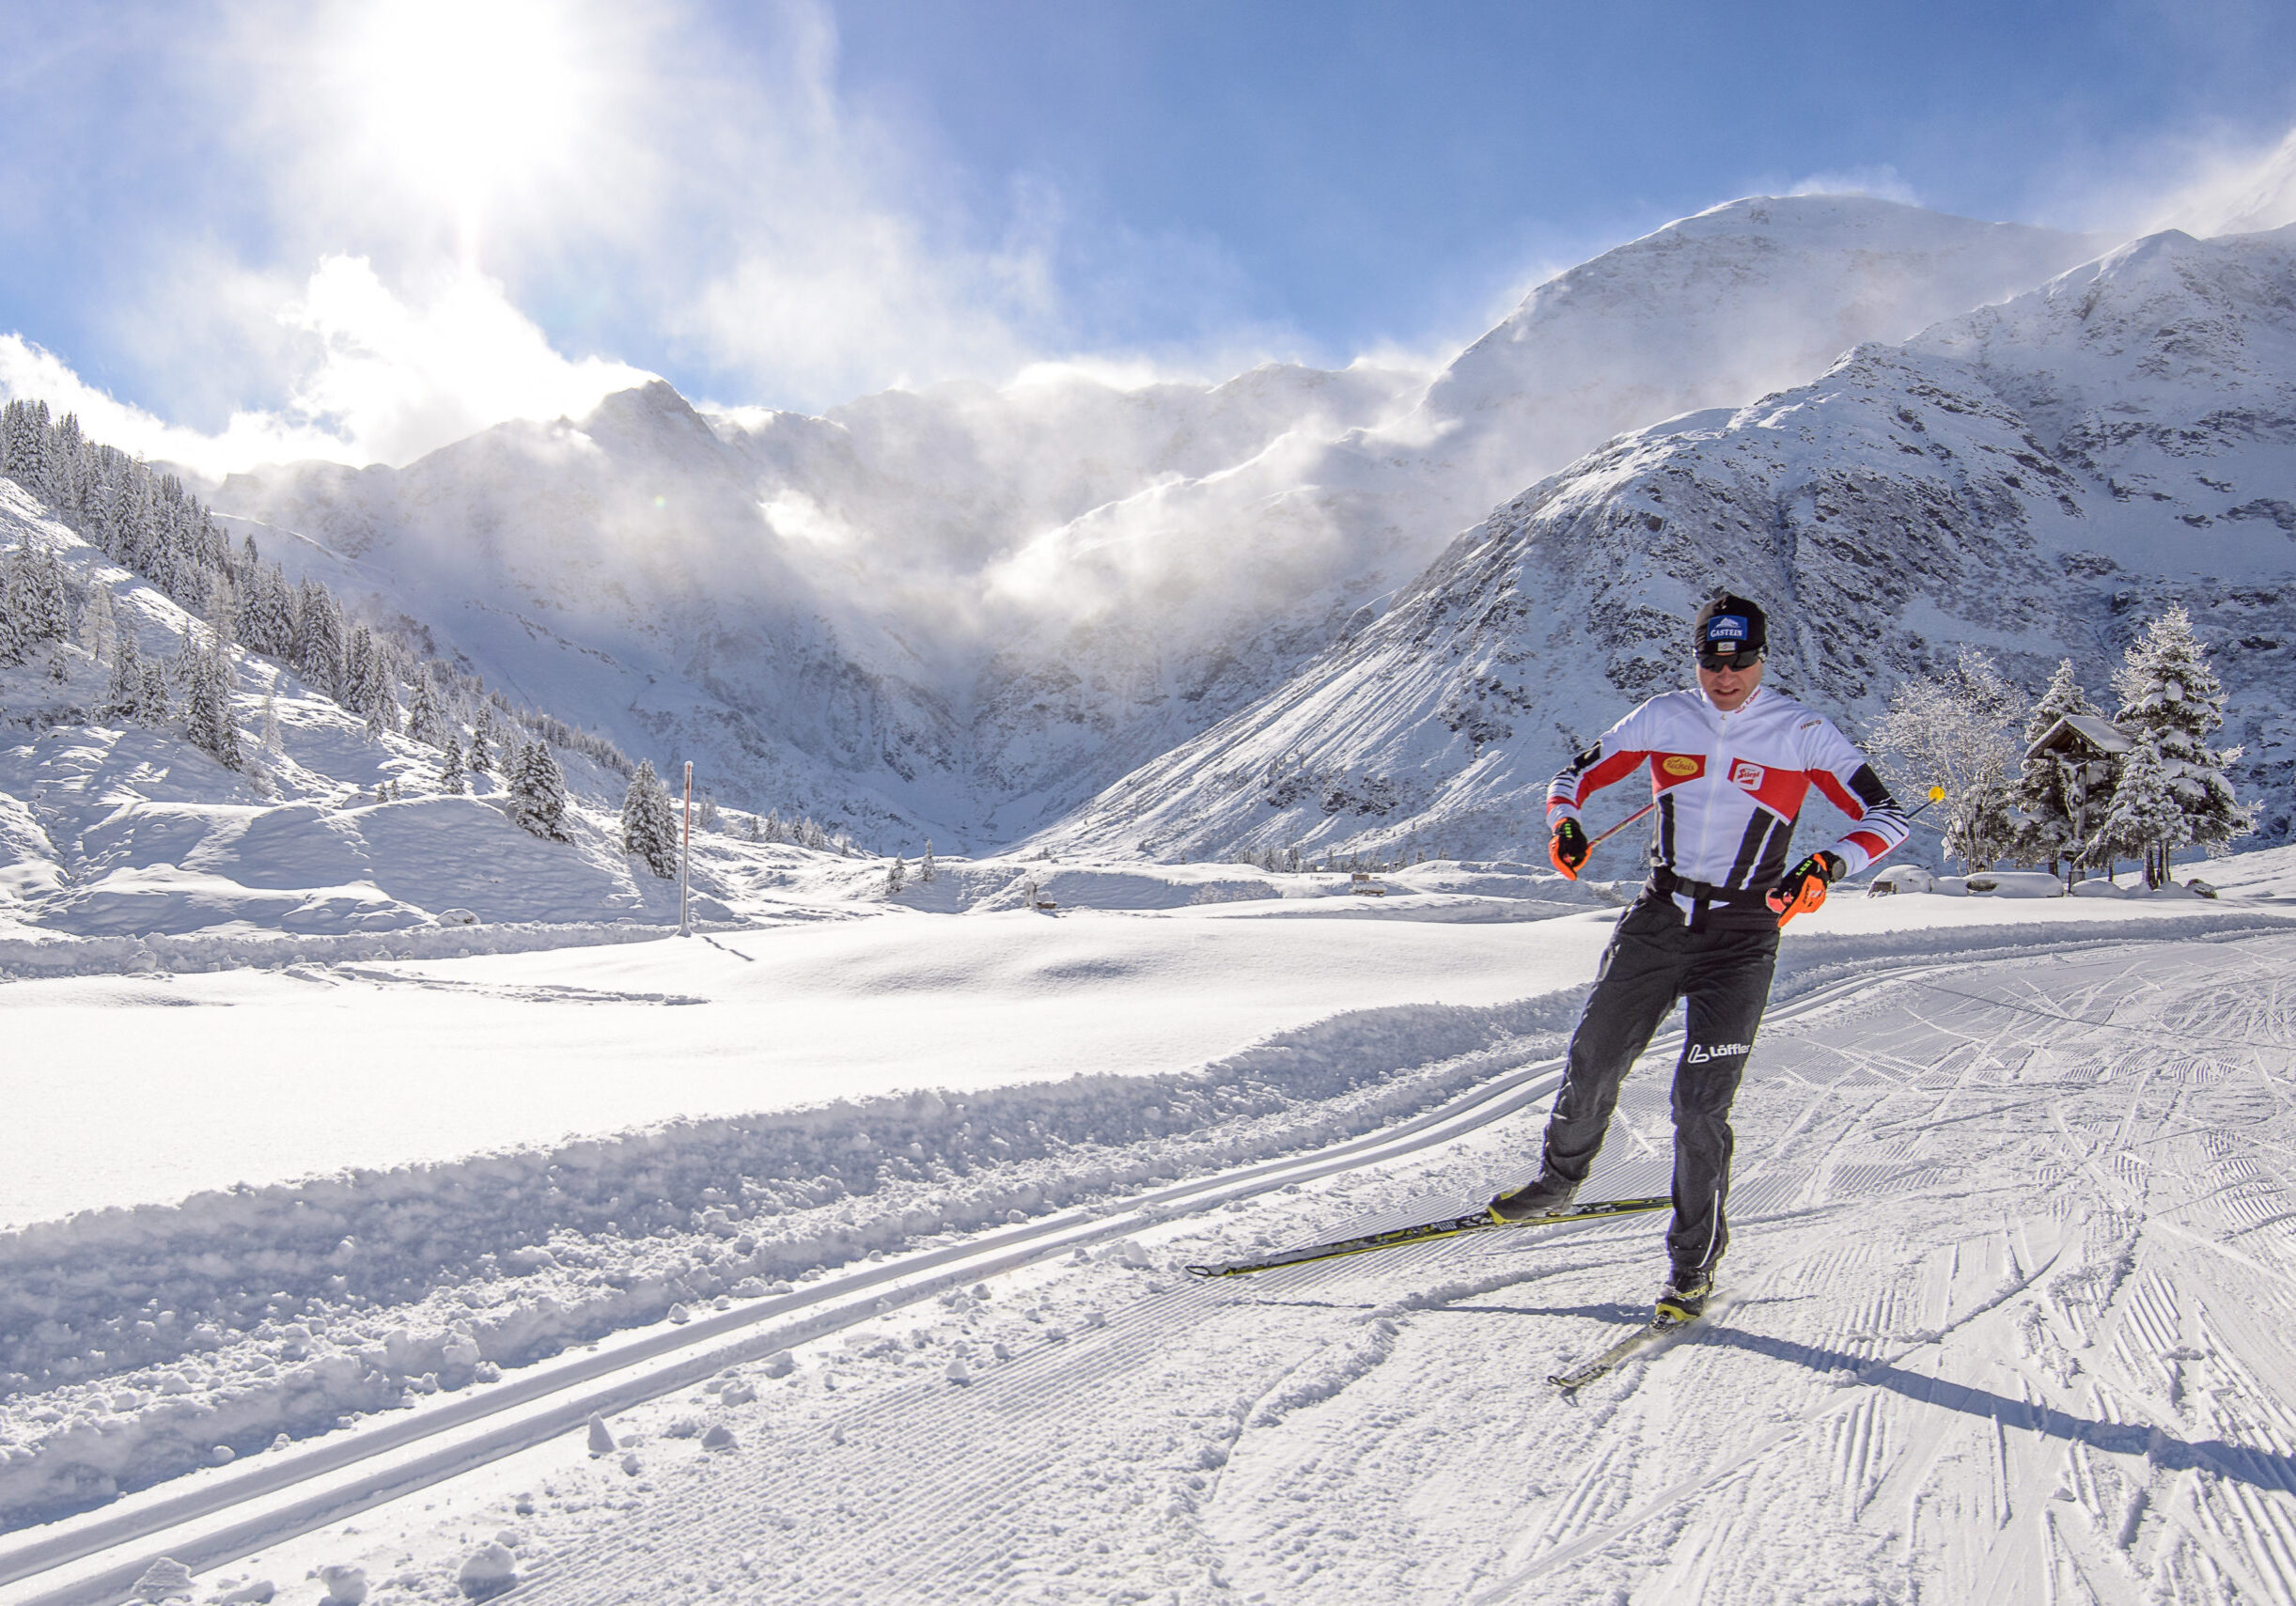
1729,764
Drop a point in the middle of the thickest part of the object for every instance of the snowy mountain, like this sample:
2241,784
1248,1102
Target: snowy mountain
959,614
2035,478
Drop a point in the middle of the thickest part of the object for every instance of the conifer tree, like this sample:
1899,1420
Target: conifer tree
151,701
423,722
453,781
99,631
2053,796
896,874
2169,692
125,699
15,644
206,703
319,639
2146,820
267,622
271,717
481,757
926,870
537,792
649,825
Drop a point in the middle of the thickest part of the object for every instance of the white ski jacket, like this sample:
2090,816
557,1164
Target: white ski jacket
1728,787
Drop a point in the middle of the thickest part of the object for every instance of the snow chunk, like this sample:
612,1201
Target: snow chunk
164,1580
486,1571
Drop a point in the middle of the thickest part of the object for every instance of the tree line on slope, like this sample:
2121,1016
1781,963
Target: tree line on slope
383,674
1973,733
152,527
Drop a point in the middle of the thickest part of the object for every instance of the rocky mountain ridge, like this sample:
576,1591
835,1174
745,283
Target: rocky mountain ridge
960,614
2035,478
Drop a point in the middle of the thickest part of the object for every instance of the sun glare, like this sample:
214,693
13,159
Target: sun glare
463,98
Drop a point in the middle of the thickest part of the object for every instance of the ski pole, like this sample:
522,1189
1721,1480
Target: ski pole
1806,902
1621,825
1605,838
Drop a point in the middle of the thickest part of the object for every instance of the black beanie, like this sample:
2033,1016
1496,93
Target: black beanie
1730,623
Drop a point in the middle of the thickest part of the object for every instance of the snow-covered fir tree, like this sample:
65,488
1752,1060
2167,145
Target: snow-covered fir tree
482,742
2168,693
649,825
269,718
896,874
266,621
536,803
2147,819
15,644
706,814
1958,731
207,701
99,629
37,595
125,698
424,722
2056,798
453,780
319,639
925,870
152,707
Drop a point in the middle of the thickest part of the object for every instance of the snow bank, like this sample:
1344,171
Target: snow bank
140,1343
135,1343
205,951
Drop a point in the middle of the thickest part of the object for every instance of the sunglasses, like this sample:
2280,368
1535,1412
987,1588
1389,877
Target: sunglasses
1730,660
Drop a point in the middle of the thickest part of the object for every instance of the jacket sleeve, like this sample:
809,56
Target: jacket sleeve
1623,748
1838,769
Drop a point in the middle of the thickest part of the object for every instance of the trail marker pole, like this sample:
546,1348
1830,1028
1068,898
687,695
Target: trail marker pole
685,857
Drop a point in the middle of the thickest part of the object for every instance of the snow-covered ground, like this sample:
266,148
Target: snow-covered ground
922,1182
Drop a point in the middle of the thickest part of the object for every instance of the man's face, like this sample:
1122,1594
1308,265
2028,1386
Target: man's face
1728,688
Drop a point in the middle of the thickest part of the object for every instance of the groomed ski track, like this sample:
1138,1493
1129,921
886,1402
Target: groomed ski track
2008,1317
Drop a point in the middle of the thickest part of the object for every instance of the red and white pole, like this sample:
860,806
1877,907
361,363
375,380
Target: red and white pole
685,857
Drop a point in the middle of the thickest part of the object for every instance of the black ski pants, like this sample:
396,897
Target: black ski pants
1723,969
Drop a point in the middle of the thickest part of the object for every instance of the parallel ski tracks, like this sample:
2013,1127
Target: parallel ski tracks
209,1517
1867,1443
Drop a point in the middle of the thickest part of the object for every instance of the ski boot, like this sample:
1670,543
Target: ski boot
1531,1200
1682,1301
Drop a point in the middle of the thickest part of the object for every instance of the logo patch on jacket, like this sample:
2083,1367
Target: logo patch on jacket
1680,766
1745,772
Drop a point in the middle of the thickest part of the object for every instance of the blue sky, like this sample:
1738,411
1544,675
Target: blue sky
365,229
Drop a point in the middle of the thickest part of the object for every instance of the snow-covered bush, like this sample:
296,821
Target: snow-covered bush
1958,732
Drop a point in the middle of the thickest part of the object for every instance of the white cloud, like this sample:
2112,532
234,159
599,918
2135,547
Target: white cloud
2236,191
477,180
398,380
376,378
1883,182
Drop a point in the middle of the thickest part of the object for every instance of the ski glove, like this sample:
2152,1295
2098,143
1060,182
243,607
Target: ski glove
1570,848
1804,886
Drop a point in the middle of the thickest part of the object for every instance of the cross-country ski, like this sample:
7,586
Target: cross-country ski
1394,1238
